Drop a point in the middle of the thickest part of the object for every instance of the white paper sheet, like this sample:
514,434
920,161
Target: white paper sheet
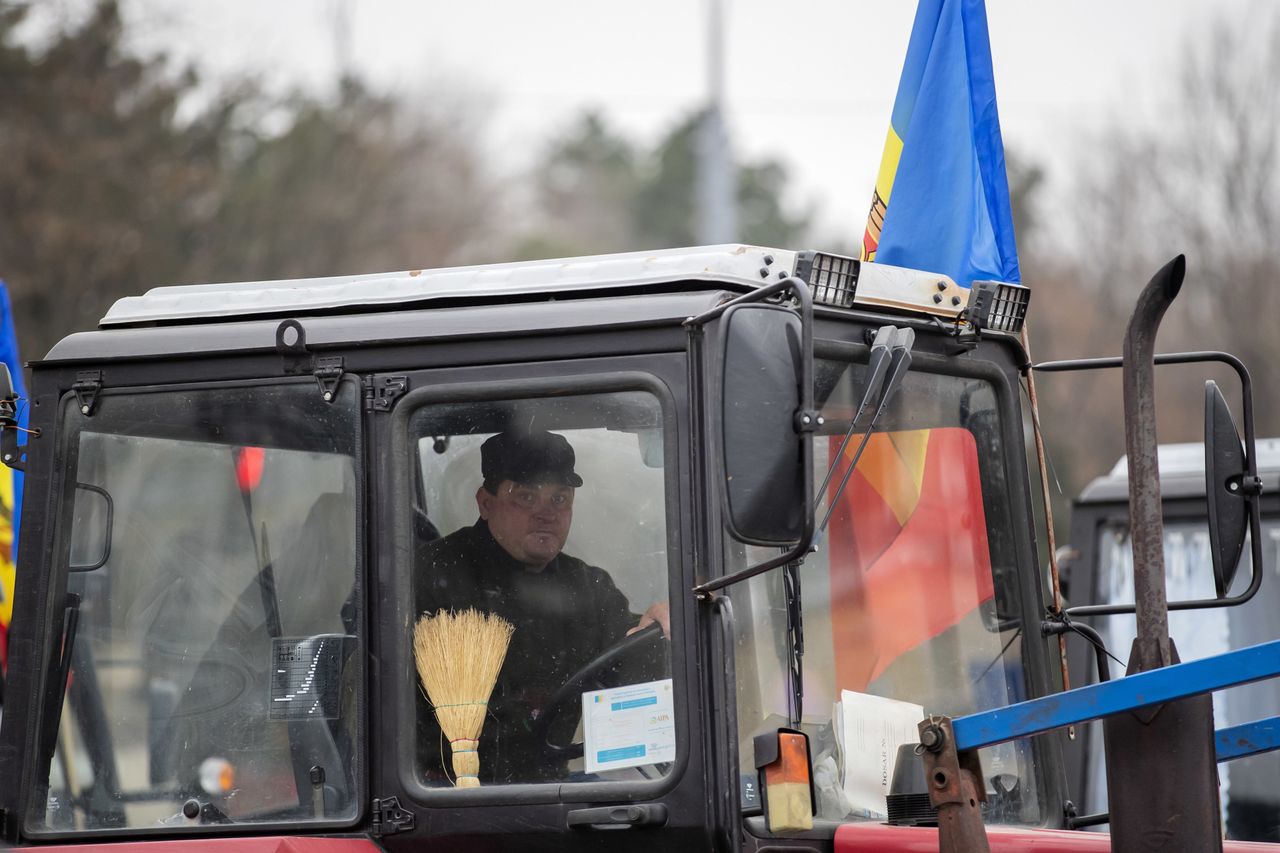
869,730
629,726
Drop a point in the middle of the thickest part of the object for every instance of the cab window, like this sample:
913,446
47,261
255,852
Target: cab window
910,606
549,514
209,669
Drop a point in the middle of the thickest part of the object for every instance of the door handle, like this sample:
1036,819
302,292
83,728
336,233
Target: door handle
618,817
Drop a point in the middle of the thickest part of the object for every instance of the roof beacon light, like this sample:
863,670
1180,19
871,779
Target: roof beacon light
997,306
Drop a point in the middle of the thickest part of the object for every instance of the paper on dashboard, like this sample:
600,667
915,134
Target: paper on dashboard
629,726
869,730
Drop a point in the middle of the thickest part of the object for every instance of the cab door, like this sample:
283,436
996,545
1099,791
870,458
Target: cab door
203,565
589,728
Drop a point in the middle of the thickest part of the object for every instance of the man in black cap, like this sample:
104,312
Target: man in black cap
510,562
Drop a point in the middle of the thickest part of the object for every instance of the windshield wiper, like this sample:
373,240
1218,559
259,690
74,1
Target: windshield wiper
877,364
889,361
56,690
795,641
890,358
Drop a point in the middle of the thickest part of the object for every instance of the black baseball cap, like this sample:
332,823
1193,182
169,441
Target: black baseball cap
528,457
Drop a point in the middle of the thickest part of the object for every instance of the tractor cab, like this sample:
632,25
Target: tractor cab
779,512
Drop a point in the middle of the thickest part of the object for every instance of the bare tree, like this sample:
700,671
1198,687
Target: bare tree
106,191
1205,181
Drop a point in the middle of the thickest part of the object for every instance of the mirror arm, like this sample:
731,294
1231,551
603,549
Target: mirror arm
1246,384
1250,478
801,291
761,293
1255,582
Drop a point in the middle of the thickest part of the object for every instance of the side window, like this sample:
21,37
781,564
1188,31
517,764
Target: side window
549,514
212,657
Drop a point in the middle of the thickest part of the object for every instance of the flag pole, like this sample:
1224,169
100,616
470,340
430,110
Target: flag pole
1046,496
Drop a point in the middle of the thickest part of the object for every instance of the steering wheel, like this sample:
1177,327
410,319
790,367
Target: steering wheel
647,640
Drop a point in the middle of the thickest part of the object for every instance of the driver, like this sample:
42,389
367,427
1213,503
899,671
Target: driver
510,563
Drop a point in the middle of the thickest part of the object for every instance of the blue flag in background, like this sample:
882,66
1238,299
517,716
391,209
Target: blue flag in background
942,197
10,480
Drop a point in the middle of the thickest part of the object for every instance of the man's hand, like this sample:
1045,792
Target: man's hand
660,613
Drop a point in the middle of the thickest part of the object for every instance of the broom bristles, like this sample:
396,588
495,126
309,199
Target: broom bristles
458,656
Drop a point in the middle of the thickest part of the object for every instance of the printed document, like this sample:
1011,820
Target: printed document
629,726
869,730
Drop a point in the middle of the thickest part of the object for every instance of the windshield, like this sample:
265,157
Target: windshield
1251,800
910,605
211,667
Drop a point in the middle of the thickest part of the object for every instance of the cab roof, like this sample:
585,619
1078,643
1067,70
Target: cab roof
385,327
1181,473
596,292
730,266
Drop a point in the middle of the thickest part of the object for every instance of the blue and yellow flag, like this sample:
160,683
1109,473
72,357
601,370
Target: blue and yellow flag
10,480
941,204
942,197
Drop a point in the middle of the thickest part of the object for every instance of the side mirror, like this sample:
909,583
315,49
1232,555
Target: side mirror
1232,484
91,528
1228,504
767,446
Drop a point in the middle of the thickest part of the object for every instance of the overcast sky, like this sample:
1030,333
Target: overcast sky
809,82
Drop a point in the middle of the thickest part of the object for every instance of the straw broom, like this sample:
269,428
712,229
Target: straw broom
458,657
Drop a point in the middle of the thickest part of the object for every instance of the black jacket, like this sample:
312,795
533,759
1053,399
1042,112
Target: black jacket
563,617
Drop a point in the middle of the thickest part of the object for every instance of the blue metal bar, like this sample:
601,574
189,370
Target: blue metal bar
1035,716
1248,739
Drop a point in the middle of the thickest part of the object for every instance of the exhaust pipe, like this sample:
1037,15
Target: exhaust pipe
1146,521
1162,773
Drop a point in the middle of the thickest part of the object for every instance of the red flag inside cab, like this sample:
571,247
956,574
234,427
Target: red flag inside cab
908,548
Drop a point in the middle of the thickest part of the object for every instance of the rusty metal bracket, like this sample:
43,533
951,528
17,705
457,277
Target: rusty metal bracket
955,788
